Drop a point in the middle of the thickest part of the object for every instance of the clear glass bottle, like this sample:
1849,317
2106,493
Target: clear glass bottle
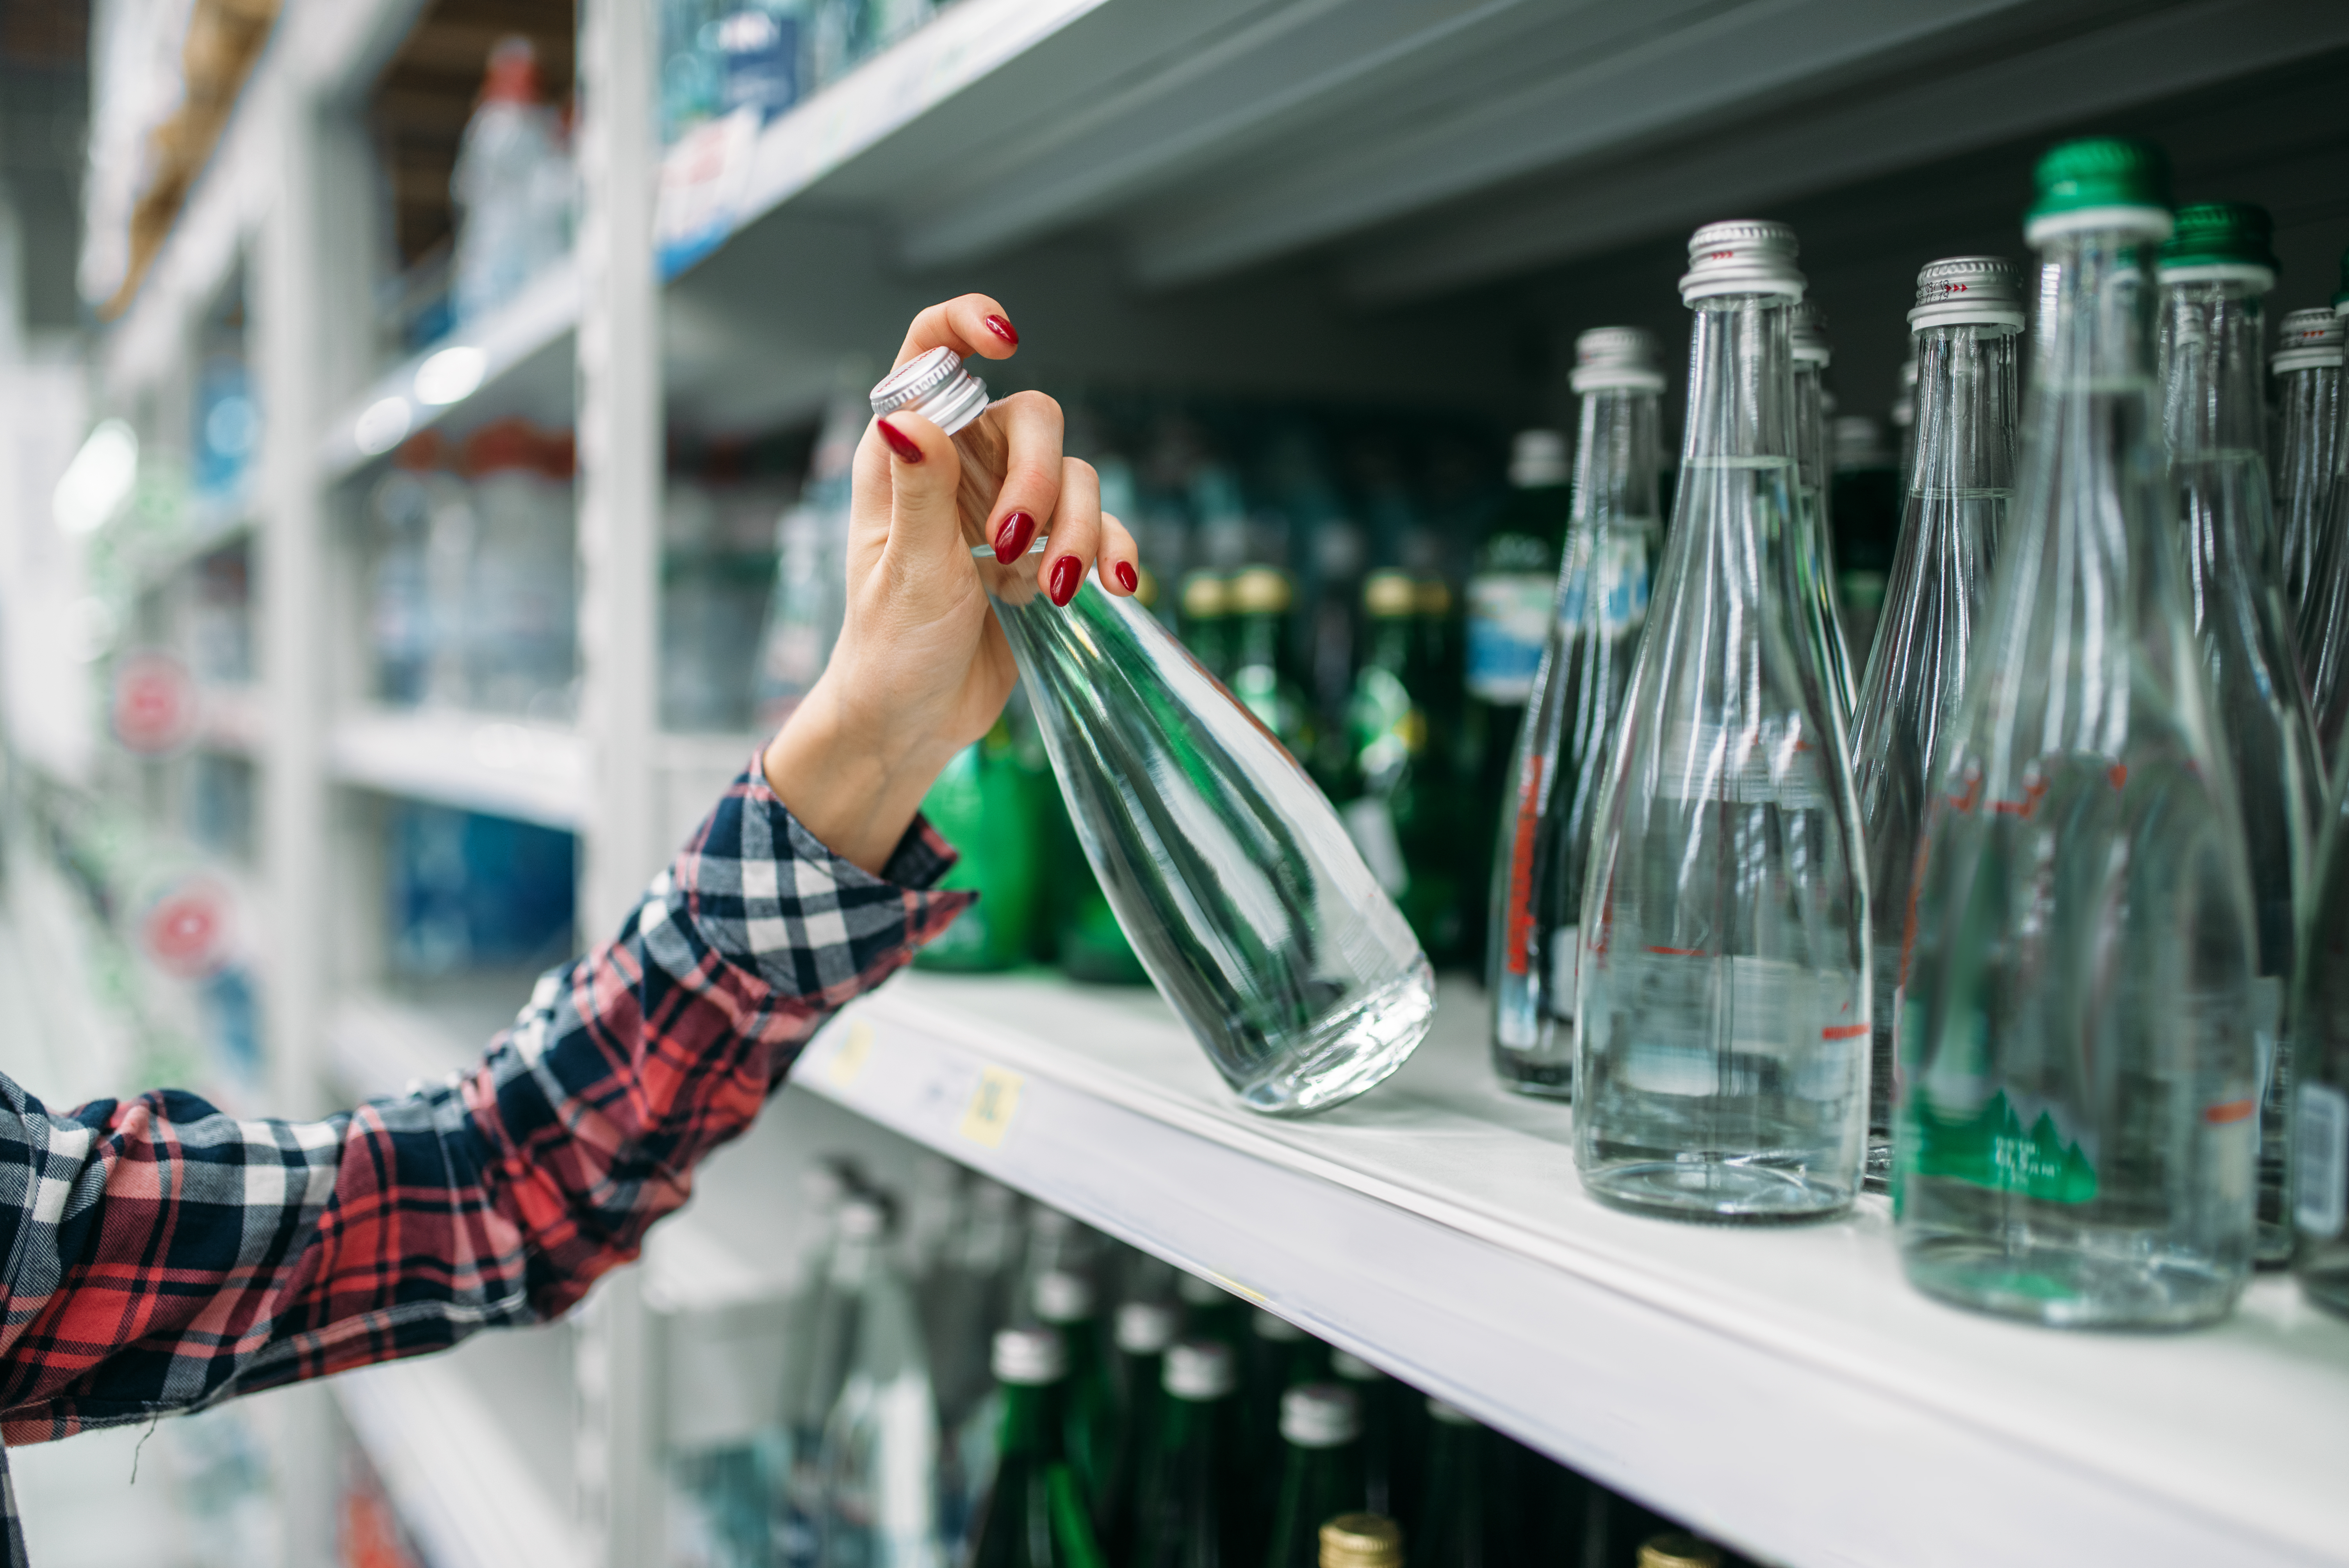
1967,326
2324,612
2077,1132
881,1440
1195,1504
2307,368
1034,1515
1572,714
1904,415
2320,1044
2215,272
1246,901
1721,1067
1320,1472
1815,526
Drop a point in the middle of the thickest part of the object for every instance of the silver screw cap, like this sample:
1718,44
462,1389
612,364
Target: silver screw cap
2307,340
1200,1369
935,385
1741,256
1607,357
1028,1357
1809,328
1321,1416
1144,1327
1959,290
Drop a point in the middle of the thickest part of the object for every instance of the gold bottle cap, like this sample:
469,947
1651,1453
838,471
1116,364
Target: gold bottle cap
1361,1541
1678,1551
1434,596
1260,591
1205,596
1145,588
1390,594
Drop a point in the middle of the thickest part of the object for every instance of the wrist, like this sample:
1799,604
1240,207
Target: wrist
853,786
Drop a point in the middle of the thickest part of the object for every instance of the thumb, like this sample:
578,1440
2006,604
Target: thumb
924,470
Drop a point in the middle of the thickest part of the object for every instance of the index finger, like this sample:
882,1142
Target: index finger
971,325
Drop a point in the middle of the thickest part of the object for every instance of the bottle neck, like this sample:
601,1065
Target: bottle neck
1615,456
2309,400
1810,427
1030,1428
1965,412
2092,318
2212,363
1740,382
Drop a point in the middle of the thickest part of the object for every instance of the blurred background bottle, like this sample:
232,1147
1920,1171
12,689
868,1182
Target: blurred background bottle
2307,368
1320,1471
1814,527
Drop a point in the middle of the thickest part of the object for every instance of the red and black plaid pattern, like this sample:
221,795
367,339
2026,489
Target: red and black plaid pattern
161,1256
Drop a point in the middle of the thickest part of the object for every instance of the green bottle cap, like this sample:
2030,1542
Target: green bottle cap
2098,182
2231,237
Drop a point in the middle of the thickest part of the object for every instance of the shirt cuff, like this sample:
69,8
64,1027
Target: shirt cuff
767,897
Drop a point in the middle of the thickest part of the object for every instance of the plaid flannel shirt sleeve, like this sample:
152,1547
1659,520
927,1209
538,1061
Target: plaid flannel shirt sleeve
161,1255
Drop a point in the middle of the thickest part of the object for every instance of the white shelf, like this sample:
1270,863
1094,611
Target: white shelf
502,766
1784,1389
453,1472
519,361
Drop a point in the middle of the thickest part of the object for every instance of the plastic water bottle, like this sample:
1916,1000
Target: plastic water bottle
512,186
1242,896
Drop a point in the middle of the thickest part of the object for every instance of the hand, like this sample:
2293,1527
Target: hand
921,669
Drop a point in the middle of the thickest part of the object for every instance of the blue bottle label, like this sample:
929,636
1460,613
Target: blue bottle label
1508,621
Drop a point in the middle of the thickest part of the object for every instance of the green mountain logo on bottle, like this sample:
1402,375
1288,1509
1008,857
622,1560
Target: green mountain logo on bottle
1992,1149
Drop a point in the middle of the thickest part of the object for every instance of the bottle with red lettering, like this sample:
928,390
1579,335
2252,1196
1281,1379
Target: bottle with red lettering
1612,537
1721,1064
2076,1136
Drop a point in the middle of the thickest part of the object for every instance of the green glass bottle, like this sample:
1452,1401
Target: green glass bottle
987,805
1145,1331
1193,1507
1677,1548
1400,798
1321,1472
1459,1526
1035,1515
1204,620
1279,1357
1211,1312
1065,1301
1261,677
2075,1137
1383,1448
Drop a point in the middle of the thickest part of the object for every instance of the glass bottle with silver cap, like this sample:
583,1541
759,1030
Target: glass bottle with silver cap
1967,326
2324,612
2307,368
1572,716
1242,893
1721,1064
2215,271
1814,528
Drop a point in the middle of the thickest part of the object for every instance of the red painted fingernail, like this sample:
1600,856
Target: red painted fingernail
1066,574
1125,577
899,442
1012,538
1004,330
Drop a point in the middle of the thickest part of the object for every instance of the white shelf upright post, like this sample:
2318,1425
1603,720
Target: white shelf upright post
621,455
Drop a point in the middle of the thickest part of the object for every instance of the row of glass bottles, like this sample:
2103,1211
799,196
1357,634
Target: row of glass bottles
968,1386
2078,853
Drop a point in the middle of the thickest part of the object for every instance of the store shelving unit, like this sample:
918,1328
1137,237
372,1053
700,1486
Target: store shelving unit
1325,196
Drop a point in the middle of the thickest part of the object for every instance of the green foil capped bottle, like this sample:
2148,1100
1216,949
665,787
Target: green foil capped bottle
987,804
2076,1138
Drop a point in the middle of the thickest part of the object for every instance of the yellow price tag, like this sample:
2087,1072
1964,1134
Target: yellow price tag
848,1061
988,1115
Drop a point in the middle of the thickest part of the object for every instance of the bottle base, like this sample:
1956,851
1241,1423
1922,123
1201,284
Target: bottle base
2098,1282
1721,1192
2328,1288
1348,1052
1537,1080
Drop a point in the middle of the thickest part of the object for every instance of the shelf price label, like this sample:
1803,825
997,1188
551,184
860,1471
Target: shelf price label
988,1115
847,1064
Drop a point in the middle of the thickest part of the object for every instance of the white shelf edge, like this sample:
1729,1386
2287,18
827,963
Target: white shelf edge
453,1477
544,313
505,767
1564,1332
